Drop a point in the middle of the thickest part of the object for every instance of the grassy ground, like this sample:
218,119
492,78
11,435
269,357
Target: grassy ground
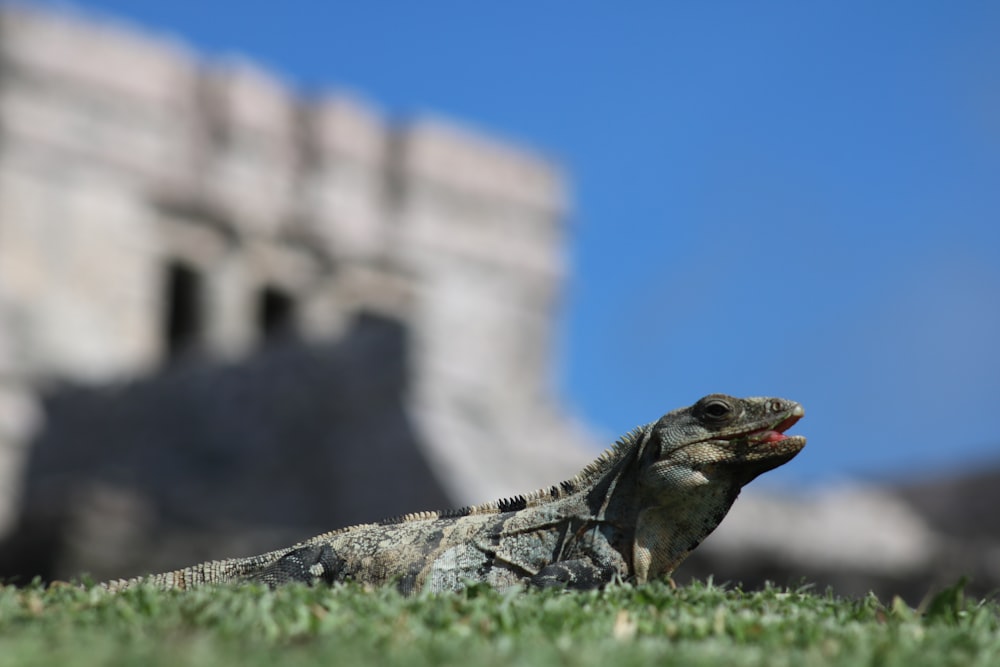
698,625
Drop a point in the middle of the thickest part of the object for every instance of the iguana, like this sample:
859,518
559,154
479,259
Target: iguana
632,514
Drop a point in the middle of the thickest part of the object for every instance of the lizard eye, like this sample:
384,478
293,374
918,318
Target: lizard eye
717,410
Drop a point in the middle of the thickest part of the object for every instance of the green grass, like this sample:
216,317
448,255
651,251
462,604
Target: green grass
622,626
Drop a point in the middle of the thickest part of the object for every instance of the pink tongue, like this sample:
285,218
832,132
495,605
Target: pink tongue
772,436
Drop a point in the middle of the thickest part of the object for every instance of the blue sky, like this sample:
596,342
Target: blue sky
782,198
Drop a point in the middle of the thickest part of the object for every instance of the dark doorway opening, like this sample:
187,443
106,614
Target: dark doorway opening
275,314
183,305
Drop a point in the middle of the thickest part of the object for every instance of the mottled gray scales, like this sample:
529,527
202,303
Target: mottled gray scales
633,514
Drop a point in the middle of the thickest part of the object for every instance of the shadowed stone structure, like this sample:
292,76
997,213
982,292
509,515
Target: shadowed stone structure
167,225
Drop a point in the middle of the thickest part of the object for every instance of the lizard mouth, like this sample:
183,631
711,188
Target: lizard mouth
774,434
767,448
759,450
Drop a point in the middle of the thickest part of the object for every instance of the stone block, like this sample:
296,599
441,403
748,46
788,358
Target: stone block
106,55
82,258
252,164
343,127
342,194
246,101
127,106
474,164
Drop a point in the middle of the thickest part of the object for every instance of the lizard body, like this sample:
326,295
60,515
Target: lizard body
632,514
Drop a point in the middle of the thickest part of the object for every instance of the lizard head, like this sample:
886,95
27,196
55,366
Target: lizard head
721,436
693,463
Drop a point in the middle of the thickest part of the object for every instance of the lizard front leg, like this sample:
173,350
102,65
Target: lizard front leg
594,564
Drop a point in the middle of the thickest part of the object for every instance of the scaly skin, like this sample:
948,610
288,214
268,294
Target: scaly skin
633,514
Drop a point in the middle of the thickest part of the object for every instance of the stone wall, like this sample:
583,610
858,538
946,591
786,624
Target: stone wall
157,208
